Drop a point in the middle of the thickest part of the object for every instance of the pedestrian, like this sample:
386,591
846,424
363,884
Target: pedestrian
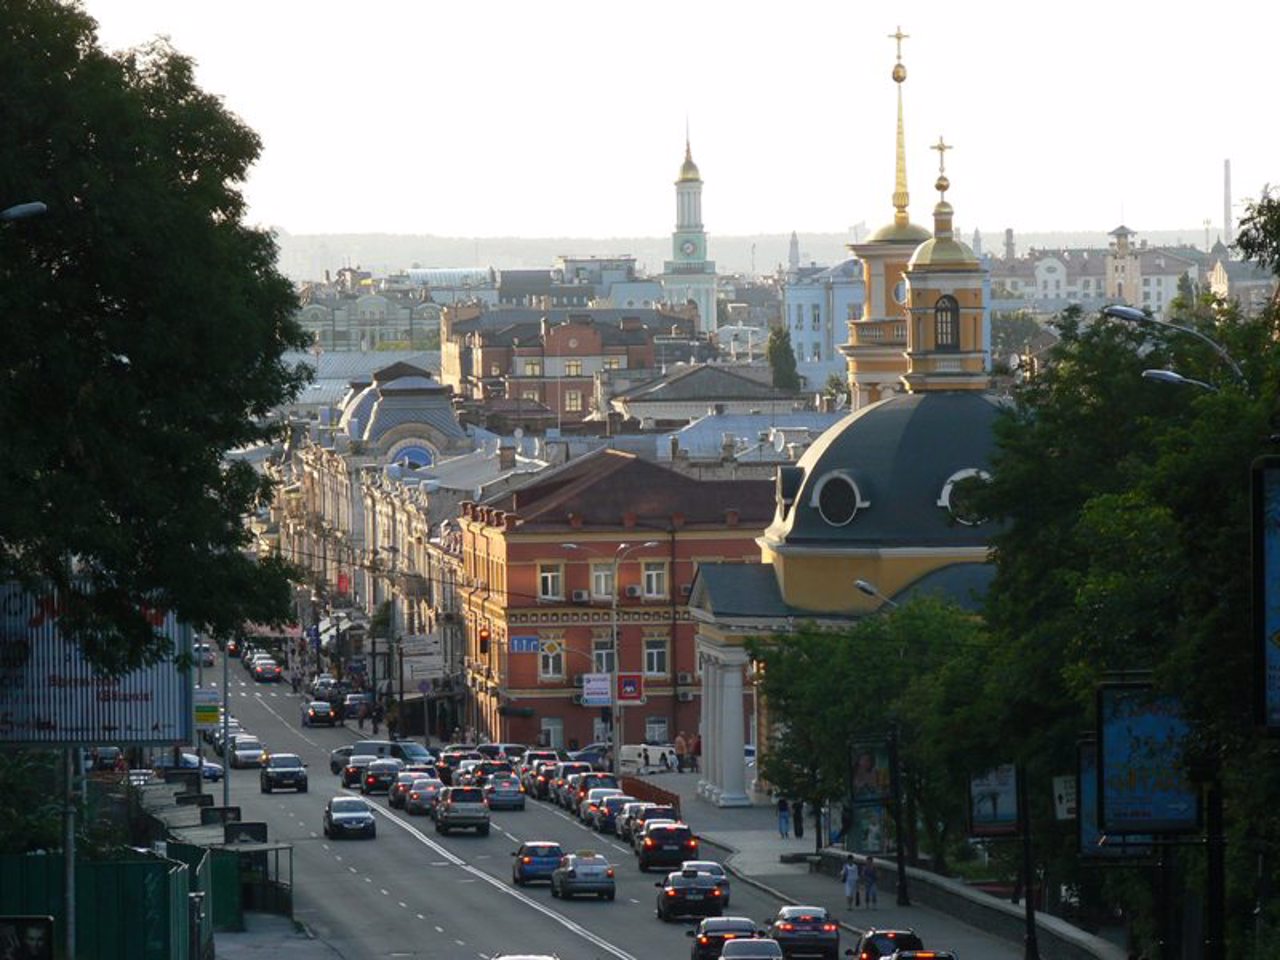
869,881
797,812
784,818
362,713
695,753
849,877
682,750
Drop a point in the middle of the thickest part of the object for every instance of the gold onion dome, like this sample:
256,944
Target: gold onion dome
688,169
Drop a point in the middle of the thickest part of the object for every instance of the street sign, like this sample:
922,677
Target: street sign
595,690
1064,797
630,687
525,644
206,706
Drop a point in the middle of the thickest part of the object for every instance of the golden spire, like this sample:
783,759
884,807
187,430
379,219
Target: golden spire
901,199
942,184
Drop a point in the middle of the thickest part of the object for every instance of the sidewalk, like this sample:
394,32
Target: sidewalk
749,836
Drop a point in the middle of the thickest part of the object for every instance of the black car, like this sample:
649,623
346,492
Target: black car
667,845
885,942
338,759
353,772
283,770
348,817
319,713
688,893
710,935
380,776
806,931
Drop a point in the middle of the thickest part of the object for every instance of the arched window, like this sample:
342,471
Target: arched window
946,323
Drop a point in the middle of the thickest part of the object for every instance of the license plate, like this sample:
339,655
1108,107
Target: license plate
670,846
695,896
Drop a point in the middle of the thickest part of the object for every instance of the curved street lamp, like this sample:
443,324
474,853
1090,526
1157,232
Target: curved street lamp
1118,311
23,211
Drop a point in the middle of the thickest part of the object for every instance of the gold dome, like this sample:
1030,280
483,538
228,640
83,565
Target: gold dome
900,233
688,169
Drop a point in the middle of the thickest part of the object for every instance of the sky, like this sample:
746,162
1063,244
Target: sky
524,118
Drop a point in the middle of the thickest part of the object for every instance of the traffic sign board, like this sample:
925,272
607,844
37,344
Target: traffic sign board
630,687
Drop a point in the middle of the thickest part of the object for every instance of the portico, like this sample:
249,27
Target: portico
723,772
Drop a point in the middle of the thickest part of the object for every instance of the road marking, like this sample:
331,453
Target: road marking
368,879
314,835
478,874
325,845
352,869
439,929
385,893
421,917
461,943
336,856
403,905
511,836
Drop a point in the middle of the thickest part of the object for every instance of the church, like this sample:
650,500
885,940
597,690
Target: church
868,515
689,277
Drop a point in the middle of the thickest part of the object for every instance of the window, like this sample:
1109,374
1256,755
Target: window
573,401
655,578
946,323
602,655
817,352
533,368
655,730
550,660
815,312
602,580
799,314
655,657
573,368
613,363
552,733
550,581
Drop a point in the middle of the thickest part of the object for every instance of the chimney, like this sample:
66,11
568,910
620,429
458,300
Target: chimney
731,517
506,456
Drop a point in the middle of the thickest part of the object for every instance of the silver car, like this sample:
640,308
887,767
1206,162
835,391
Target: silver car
246,752
583,872
422,795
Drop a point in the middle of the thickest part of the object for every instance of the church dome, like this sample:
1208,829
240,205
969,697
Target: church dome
900,233
688,169
887,476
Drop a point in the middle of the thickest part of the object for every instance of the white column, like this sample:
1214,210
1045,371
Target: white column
733,781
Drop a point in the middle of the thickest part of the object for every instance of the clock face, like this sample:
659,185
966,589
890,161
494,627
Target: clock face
688,247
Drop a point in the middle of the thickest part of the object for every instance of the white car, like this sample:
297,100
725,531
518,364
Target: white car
647,758
246,752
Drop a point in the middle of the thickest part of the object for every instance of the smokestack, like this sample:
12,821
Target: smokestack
1226,202
1009,251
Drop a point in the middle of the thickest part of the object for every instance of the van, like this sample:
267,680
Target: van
647,758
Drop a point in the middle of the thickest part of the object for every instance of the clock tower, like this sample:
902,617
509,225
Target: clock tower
689,275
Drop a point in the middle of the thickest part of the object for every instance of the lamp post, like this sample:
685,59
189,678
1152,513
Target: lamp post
1133,315
23,211
615,733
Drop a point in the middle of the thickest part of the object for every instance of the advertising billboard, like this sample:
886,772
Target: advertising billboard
51,695
1266,592
993,802
1093,843
597,689
1142,782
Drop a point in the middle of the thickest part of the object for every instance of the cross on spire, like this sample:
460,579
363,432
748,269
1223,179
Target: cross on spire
899,36
942,149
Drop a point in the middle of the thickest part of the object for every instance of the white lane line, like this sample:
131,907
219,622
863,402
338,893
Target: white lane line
403,905
352,869
385,893
271,710
368,879
461,943
421,917
324,845
509,891
511,836
314,835
439,929
336,856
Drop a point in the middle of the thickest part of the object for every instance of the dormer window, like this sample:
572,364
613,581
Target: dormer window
946,323
954,500
838,498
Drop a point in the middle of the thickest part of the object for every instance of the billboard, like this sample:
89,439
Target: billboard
993,802
1093,843
870,777
597,689
1142,783
1266,592
51,695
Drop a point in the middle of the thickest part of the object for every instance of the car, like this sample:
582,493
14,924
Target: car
502,751
529,760
599,755
583,872
321,681
349,817
338,759
354,703
399,792
589,805
353,772
422,795
319,713
379,776
588,782
639,817
233,648
567,791
189,761
204,655
538,779
710,936
806,930
922,955
535,860
716,870
665,845
449,760
877,942
625,816
647,758
267,671
246,752
757,948
464,774
283,770
412,752
688,893
605,817
485,769
502,791
102,758
560,775
462,808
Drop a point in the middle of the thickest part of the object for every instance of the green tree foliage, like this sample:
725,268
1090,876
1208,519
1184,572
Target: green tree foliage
836,387
782,360
1125,546
1011,333
144,326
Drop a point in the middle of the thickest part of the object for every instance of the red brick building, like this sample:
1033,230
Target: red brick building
540,596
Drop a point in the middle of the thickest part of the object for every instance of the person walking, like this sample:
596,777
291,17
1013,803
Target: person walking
849,877
869,881
682,750
784,818
797,812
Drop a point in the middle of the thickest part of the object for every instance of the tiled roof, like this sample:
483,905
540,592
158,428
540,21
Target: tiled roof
704,382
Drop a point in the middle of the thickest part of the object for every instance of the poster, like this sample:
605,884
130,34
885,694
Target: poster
993,802
871,778
1092,844
870,829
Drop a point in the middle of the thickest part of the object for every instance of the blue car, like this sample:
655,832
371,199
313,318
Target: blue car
535,860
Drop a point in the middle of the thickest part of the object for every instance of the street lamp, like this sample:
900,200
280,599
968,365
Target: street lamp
615,734
871,590
1172,376
1126,314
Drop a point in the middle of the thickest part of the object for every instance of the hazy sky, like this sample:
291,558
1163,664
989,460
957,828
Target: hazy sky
529,118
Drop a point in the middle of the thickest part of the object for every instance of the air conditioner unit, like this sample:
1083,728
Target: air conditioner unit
686,589
685,696
633,591
580,596
577,699
577,679
684,678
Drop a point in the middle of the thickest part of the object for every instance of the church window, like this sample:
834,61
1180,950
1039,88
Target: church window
838,498
946,323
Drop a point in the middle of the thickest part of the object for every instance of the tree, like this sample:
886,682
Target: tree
144,327
836,388
782,360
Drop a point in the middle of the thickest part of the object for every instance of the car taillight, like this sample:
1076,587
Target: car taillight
609,872
312,712
671,891
828,927
370,778
691,844
648,841
715,892
414,796
786,927
526,859
704,939
727,936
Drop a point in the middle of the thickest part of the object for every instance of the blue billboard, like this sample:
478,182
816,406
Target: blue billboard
993,802
1093,843
1266,591
1142,780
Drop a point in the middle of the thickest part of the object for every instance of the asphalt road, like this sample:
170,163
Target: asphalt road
413,893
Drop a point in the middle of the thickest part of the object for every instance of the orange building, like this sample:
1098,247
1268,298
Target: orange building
599,552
